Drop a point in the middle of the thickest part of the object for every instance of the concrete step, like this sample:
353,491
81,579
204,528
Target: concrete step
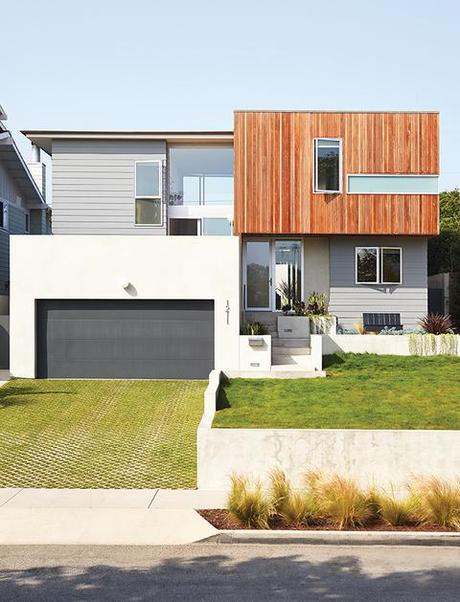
301,362
289,371
293,350
303,343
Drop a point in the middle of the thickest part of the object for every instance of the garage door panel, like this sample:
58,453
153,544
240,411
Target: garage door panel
123,329
134,348
125,339
106,369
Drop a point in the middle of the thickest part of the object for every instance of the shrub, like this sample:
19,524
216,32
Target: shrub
341,501
437,502
292,507
318,304
396,511
253,328
248,503
436,323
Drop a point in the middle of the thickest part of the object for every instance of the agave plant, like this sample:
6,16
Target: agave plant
436,323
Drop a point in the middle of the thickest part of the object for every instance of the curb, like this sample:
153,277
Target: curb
336,538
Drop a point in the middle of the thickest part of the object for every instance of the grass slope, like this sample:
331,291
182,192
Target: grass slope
100,433
360,391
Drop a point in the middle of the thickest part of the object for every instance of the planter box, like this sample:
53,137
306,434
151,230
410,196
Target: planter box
322,325
293,327
255,352
381,344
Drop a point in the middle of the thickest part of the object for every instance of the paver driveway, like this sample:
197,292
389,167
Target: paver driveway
99,433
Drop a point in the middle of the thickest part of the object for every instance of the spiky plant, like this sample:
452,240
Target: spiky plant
436,323
291,506
253,328
248,503
341,501
437,502
396,511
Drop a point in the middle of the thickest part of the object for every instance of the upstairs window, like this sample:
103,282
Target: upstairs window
148,193
378,265
328,165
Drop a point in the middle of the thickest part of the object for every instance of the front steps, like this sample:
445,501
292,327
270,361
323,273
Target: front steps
291,358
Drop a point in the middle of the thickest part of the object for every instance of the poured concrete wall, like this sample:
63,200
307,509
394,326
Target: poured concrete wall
369,456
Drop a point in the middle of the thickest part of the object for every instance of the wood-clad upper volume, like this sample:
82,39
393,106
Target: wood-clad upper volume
274,172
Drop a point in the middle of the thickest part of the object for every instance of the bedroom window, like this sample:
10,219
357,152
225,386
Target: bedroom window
328,165
148,187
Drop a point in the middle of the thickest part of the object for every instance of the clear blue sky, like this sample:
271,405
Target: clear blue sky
176,64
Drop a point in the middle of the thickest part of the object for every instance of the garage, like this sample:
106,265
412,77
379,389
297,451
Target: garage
124,338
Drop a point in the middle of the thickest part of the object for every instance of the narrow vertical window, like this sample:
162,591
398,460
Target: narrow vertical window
367,265
148,193
328,165
390,268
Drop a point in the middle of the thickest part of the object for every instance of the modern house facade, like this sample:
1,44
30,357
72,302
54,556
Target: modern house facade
165,242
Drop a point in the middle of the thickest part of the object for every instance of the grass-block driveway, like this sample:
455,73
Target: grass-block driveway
99,433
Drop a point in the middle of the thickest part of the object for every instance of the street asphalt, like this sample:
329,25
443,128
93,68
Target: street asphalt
229,572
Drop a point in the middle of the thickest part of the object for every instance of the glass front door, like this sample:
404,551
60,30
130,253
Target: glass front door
258,275
273,275
288,272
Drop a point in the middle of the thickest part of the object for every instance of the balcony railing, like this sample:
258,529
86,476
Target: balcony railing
204,190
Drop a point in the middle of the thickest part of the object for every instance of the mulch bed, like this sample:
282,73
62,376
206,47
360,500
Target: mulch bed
222,519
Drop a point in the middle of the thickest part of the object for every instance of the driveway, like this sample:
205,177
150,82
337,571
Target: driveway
99,433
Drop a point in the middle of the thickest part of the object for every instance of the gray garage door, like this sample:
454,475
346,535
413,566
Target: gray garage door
124,339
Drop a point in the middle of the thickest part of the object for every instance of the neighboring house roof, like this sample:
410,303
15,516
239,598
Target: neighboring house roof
44,138
12,160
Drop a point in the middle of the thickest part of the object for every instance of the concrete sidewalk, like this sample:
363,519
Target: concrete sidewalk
154,499
105,516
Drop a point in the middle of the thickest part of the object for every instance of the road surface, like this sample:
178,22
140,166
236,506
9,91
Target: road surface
229,572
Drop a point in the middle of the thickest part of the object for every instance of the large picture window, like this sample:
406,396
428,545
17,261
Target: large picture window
328,165
148,193
378,265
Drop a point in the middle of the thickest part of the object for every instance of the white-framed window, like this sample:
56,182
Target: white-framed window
327,153
378,265
148,192
391,265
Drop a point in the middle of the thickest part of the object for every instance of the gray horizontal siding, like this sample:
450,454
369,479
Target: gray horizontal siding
348,301
93,186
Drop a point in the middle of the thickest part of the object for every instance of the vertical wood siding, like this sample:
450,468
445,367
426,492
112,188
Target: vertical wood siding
274,172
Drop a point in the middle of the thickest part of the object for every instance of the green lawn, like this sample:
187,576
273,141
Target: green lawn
360,391
100,433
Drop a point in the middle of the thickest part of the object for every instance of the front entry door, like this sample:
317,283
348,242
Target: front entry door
258,275
273,273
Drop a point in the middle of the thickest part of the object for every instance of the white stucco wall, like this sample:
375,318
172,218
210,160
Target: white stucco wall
367,343
96,266
380,457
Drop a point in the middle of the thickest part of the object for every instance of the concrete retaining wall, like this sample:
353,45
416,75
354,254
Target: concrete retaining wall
368,343
370,456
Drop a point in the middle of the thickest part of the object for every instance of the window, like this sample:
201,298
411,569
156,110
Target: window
328,165
183,227
207,226
27,222
390,269
217,226
200,175
148,193
378,265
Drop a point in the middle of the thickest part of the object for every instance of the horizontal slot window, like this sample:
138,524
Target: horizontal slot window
394,184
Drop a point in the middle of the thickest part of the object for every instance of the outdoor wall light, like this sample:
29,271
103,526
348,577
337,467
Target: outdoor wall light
125,284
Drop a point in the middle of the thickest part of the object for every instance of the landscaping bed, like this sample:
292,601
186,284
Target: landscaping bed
223,520
361,391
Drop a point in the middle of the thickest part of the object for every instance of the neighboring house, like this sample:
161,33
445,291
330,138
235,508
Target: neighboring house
335,202
22,211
